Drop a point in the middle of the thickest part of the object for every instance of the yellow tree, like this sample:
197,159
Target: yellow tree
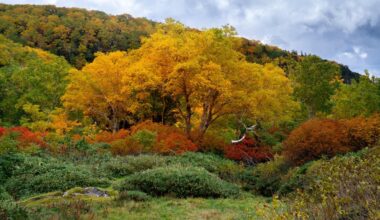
206,77
96,90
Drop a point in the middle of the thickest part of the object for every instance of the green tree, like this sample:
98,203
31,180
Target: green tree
360,98
29,76
315,81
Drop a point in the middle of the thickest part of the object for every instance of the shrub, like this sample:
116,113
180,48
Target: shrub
108,137
265,178
225,169
123,166
362,132
126,146
9,208
341,188
146,138
2,131
27,137
169,139
248,151
38,175
314,139
181,181
7,144
137,196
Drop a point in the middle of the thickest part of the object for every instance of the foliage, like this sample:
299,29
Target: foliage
168,140
314,139
73,33
108,137
181,181
9,208
225,169
315,81
97,91
362,132
248,151
38,175
29,77
265,178
342,188
360,98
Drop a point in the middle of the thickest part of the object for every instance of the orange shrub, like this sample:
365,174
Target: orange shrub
315,138
169,139
362,132
126,146
108,137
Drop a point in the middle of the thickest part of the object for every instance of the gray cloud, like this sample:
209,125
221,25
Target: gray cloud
347,31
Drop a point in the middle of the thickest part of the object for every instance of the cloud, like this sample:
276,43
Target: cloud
347,31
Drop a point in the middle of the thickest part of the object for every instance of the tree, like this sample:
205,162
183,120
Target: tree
97,91
315,81
29,76
360,98
206,77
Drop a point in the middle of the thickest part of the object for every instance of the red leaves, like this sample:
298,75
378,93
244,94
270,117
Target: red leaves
248,151
24,136
2,131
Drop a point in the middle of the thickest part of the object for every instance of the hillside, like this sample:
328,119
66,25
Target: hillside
77,34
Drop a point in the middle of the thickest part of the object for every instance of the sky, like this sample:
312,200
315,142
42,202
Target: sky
347,31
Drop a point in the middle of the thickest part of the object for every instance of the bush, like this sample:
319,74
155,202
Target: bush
38,175
108,137
265,178
181,181
225,169
137,196
325,137
126,146
341,188
169,139
123,166
314,139
9,208
248,151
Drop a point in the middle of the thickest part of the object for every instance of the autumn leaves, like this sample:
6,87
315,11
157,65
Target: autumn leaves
199,73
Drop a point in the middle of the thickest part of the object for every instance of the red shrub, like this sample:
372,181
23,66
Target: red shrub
27,137
315,138
108,137
248,151
169,139
126,146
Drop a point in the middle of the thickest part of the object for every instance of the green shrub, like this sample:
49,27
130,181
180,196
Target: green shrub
137,196
180,181
8,163
224,168
341,188
265,178
40,175
8,144
146,138
123,166
9,208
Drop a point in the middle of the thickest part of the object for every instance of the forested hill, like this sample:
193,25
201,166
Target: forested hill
77,34
73,33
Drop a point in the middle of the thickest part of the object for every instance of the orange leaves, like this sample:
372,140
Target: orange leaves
169,140
25,137
325,137
315,138
108,137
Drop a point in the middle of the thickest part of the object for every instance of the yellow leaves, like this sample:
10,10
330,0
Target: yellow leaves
61,123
